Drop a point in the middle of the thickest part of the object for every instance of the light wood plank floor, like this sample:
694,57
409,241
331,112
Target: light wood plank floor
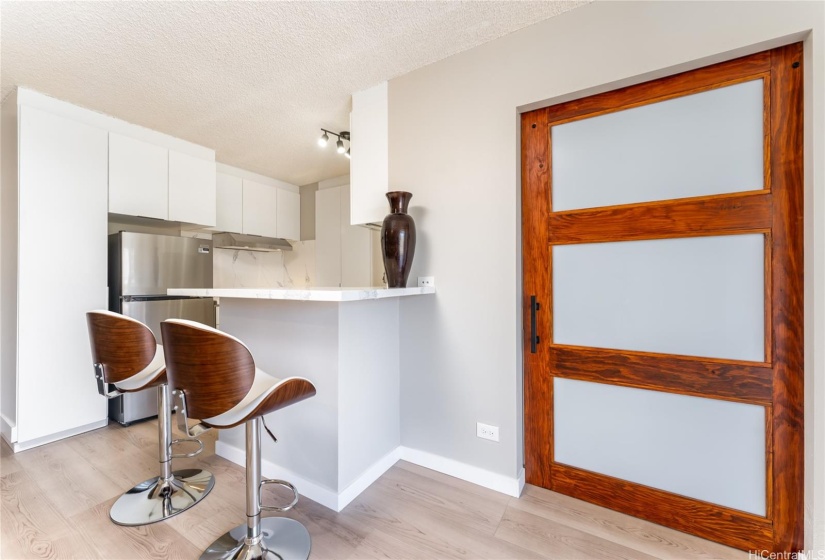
56,499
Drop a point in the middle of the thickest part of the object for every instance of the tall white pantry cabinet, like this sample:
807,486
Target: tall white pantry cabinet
53,259
47,382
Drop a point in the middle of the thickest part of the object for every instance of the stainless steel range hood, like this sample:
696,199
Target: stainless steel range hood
249,242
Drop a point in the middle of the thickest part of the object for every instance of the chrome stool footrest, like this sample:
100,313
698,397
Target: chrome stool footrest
286,485
185,455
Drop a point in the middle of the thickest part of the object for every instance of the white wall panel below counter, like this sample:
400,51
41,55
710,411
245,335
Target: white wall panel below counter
337,443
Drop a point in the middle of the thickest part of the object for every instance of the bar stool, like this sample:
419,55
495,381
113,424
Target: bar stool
214,379
126,359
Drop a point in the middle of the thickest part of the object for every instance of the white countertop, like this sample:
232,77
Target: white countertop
311,294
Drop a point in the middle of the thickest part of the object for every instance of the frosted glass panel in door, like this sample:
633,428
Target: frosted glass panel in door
701,144
696,296
707,449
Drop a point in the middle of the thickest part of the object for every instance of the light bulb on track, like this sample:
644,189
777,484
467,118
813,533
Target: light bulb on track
340,146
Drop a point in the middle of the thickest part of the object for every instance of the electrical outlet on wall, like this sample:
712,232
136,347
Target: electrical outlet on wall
485,431
426,281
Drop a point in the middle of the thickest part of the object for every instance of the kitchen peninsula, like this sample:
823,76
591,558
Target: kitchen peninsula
344,340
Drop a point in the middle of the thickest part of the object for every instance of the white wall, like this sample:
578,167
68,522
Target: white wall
454,144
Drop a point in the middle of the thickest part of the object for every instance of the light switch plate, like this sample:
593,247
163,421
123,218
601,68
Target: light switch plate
426,281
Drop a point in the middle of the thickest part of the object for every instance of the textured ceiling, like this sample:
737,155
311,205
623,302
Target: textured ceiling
253,80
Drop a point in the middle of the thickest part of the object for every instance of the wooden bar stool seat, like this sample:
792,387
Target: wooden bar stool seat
126,359
214,379
152,375
267,394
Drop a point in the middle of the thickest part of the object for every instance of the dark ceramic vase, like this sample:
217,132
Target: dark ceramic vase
398,240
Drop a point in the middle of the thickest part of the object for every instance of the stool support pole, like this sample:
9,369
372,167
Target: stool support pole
259,538
164,432
253,481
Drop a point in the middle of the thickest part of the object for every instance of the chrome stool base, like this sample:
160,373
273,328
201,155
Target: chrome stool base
155,500
282,539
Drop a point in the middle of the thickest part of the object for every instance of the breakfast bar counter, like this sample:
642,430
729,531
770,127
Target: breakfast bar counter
344,340
309,294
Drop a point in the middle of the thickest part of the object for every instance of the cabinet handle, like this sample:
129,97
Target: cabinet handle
534,337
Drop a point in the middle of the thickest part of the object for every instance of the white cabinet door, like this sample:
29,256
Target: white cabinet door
260,209
230,203
328,237
343,253
356,249
63,184
192,197
369,167
289,215
138,178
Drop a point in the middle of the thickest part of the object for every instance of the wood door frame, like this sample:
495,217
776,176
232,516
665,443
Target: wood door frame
777,383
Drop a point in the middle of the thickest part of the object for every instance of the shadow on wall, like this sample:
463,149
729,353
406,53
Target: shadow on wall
421,264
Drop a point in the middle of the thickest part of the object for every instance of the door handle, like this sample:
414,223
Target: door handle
534,337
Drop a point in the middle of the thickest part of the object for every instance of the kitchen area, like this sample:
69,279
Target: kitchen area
155,228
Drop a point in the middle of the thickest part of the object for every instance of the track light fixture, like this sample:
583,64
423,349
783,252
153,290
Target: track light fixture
339,145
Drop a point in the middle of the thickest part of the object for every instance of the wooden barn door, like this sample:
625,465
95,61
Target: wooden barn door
663,300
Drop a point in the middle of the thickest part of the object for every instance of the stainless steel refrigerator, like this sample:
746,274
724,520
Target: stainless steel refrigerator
142,267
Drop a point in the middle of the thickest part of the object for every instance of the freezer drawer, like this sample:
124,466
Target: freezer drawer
152,312
133,407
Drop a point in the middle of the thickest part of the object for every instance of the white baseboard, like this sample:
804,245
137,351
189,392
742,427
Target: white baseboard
512,486
337,501
18,446
8,430
368,477
327,497
315,492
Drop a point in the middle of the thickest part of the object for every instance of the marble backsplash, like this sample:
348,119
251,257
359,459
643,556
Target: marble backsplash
281,269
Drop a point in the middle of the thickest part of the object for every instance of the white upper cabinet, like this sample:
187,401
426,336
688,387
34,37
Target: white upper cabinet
230,203
289,215
260,209
369,166
155,182
256,205
138,178
192,191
